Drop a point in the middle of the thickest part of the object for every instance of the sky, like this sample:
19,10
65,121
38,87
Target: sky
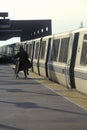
66,15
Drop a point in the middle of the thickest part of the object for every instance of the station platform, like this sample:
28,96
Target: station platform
36,103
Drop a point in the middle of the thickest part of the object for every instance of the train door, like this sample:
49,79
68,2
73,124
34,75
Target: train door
30,50
43,50
73,59
63,75
32,54
36,56
74,36
43,59
52,58
67,67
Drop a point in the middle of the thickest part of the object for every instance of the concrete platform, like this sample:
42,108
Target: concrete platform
29,104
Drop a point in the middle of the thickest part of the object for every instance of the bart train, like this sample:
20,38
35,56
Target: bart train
61,58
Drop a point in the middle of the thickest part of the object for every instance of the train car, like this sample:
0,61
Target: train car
80,70
7,52
44,52
36,55
59,58
67,59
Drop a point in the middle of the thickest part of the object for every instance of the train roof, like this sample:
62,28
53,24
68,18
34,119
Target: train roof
79,30
71,31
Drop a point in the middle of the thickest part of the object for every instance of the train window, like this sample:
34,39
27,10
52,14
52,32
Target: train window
43,46
55,49
27,48
42,30
64,50
83,60
85,37
46,28
36,50
30,50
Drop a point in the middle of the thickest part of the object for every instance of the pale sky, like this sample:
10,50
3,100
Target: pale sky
65,14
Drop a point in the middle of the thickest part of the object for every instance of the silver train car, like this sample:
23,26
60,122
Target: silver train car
62,58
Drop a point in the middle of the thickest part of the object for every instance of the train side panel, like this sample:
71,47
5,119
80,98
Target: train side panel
30,51
80,71
43,59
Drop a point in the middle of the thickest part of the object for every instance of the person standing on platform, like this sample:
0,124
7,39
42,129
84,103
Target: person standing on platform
24,63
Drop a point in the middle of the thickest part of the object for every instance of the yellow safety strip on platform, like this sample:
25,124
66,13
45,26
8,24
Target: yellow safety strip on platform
72,95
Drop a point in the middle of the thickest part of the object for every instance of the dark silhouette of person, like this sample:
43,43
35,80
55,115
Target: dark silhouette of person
23,62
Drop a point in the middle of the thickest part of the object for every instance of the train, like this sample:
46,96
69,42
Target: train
61,58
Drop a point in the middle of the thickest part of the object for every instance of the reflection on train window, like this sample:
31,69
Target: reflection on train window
85,37
43,46
55,49
64,50
36,50
83,60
